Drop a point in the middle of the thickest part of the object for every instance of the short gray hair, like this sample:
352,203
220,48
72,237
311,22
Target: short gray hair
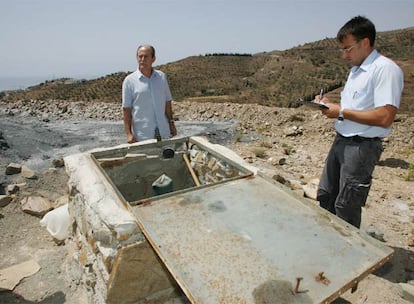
148,46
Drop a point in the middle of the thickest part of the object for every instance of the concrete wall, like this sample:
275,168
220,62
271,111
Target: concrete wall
116,264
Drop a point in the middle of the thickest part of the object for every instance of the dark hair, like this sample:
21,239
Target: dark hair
360,27
149,46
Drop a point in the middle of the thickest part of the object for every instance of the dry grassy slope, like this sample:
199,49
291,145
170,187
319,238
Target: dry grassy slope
275,78
212,75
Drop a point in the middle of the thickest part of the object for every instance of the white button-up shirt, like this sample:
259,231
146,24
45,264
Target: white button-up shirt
146,97
376,83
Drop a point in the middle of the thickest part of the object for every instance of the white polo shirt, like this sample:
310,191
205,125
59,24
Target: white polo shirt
376,83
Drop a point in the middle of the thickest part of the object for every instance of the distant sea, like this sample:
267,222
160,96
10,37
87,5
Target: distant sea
19,83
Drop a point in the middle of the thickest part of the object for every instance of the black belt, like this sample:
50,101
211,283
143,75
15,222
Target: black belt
358,138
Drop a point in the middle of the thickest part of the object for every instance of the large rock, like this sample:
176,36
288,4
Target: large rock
36,205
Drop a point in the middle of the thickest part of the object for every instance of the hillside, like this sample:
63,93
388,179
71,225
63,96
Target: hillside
277,78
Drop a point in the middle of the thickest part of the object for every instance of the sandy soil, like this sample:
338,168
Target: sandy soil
290,143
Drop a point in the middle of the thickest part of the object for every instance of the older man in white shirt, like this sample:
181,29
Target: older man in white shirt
147,101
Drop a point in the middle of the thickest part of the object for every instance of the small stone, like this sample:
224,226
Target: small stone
64,109
295,185
310,190
407,291
5,200
375,233
282,161
59,162
279,178
13,168
45,118
11,189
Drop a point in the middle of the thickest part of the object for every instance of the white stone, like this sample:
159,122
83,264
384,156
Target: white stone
407,291
28,173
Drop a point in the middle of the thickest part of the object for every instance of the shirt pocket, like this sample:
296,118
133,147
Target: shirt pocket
357,99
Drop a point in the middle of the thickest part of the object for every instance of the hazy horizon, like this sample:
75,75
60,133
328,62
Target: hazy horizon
23,82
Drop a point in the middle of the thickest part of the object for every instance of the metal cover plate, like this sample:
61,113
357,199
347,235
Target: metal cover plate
248,240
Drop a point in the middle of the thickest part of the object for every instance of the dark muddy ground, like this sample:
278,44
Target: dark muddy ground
36,143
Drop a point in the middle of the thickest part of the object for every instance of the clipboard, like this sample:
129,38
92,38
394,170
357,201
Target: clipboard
313,104
316,104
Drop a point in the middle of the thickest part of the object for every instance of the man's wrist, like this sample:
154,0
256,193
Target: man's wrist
341,115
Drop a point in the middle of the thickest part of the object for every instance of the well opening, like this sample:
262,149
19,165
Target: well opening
145,172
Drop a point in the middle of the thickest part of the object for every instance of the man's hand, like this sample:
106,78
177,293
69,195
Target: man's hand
333,110
127,116
131,139
173,129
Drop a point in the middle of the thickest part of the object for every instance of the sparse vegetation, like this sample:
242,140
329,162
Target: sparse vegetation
259,152
266,144
296,117
410,173
261,128
288,149
229,54
237,137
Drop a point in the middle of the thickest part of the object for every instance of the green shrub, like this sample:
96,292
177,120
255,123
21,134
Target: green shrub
410,173
288,149
265,144
259,152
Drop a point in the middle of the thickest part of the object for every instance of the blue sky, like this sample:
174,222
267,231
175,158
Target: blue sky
93,38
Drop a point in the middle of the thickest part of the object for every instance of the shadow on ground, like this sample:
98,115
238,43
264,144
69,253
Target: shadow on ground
12,298
394,163
400,269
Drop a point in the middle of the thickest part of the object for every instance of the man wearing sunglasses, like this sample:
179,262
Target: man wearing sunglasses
368,105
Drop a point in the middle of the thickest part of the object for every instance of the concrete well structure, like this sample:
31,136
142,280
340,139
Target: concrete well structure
187,221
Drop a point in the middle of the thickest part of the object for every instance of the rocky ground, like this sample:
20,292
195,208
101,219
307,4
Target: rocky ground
287,144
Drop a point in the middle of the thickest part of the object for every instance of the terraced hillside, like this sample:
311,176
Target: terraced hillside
277,78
